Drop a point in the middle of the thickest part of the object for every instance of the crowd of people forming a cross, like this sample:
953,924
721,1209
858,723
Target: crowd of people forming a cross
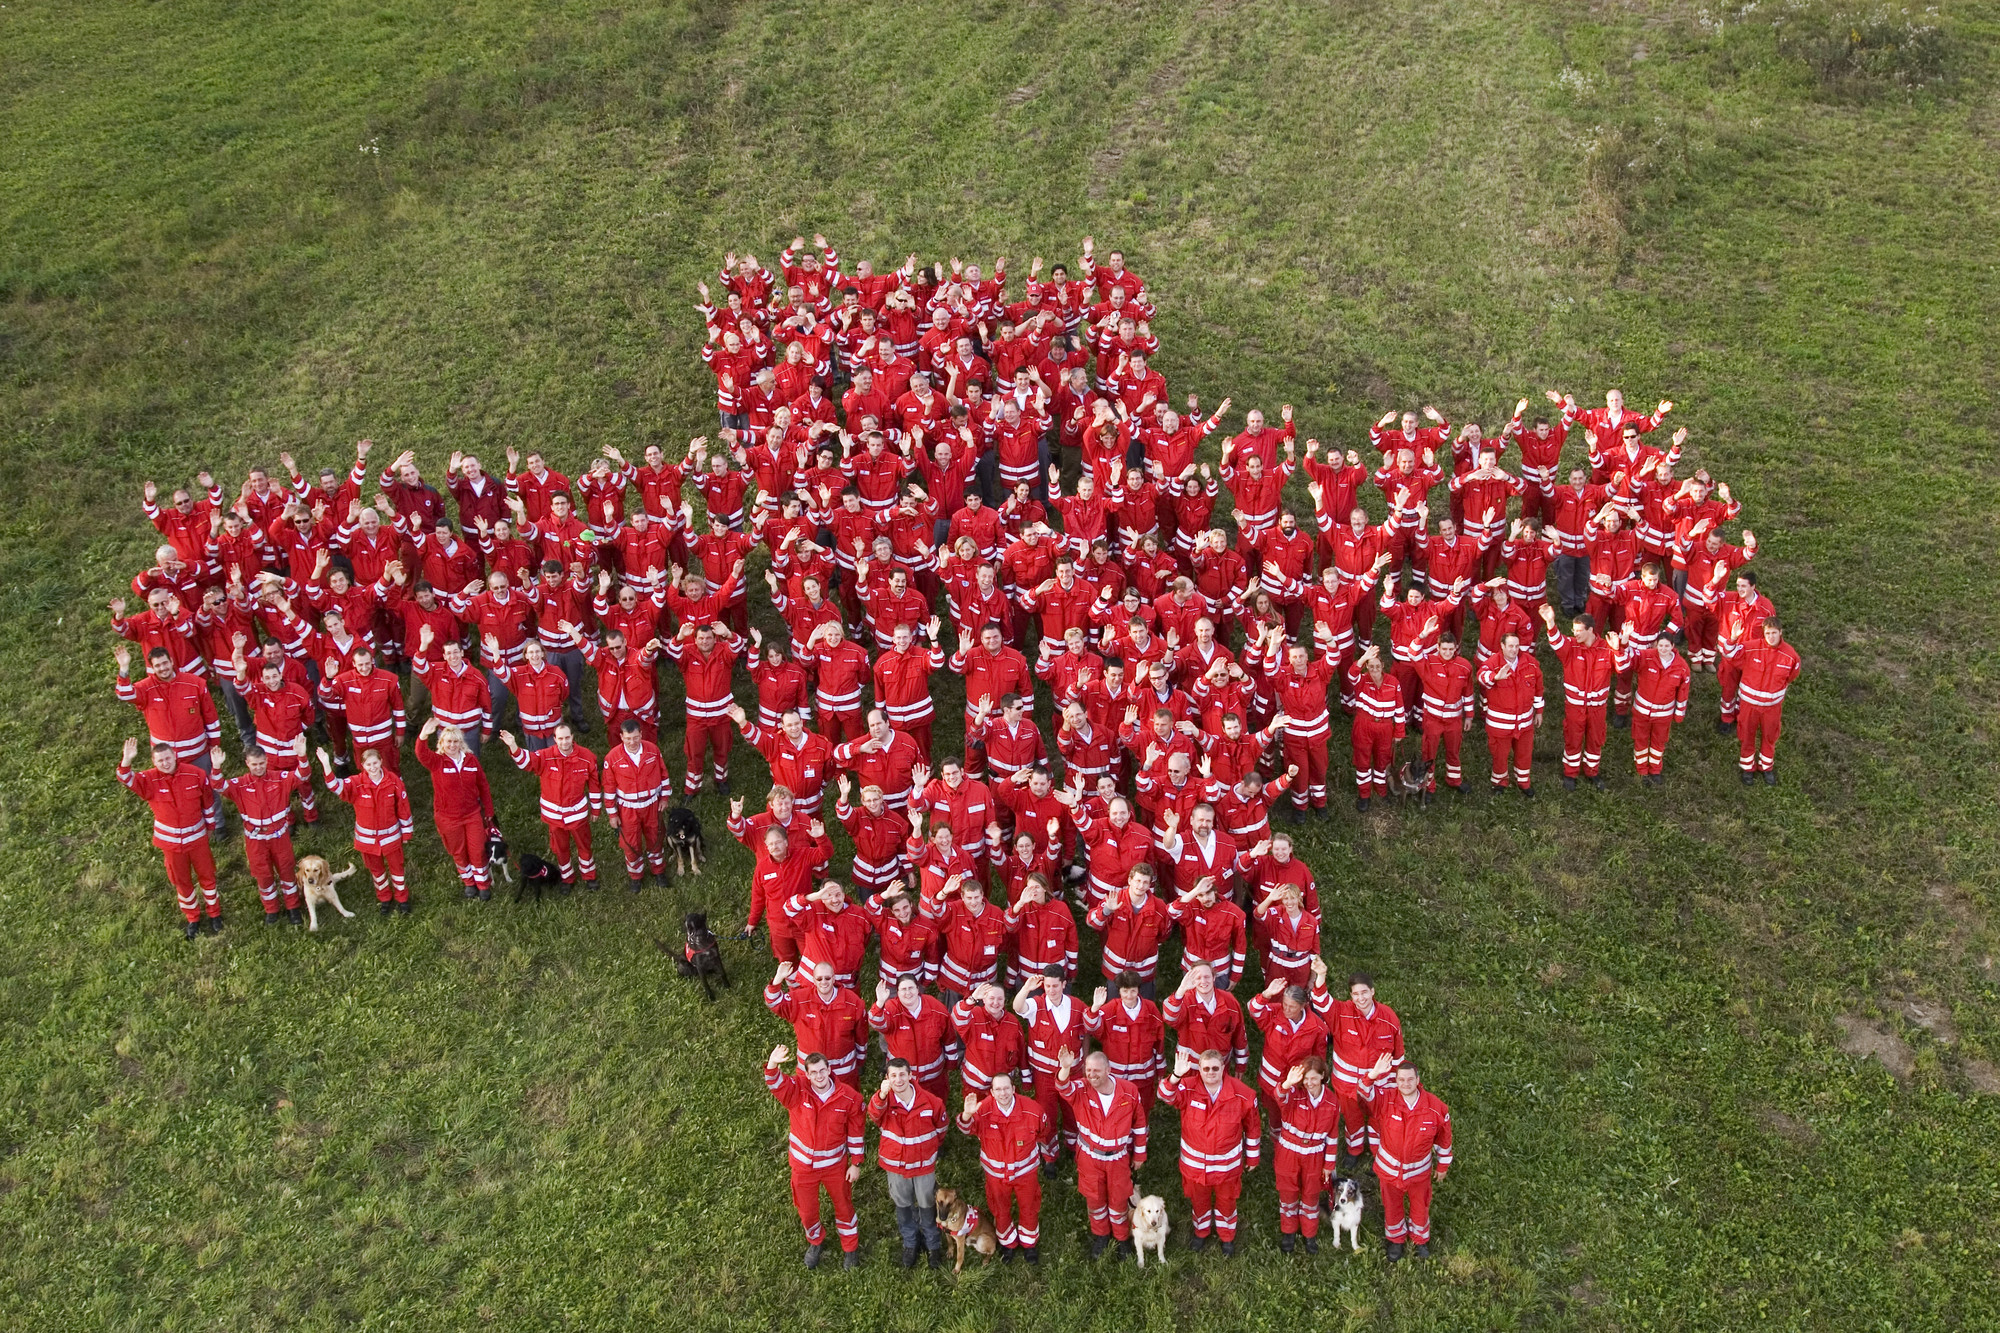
937,480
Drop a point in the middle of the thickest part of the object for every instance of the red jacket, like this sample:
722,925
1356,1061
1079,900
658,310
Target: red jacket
265,803
992,1045
1306,1126
1286,1041
1768,671
179,801
802,767
635,782
1049,1034
1587,672
1133,1043
570,791
826,1132
1404,1139
1513,703
1132,936
1662,690
1012,1143
459,789
540,696
459,699
1113,1133
1212,934
178,711
838,939
926,1038
1112,851
912,1132
775,883
903,684
1217,1026
1220,1131
1359,1040
381,810
835,1028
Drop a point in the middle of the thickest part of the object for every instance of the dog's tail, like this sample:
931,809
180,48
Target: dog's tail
338,876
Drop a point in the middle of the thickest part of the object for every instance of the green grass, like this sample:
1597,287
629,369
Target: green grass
522,1118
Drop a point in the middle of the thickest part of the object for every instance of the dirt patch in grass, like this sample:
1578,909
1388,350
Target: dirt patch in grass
1796,1131
547,1104
1863,1038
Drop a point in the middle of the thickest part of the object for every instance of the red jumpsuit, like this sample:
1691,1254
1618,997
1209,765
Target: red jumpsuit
1379,710
1287,1041
1132,935
382,825
1110,1147
1306,1154
1767,672
1513,708
1588,673
836,1028
926,1038
638,783
1308,724
1406,1140
462,808
1661,701
993,1045
265,803
1221,1135
1358,1041
826,1139
708,678
1012,1143
570,798
179,801
1447,699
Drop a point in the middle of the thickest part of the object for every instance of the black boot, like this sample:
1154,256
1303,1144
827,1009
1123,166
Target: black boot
471,892
590,885
1228,1249
1006,1254
486,895
1527,793
1724,726
634,884
191,929
1770,777
1312,1244
1745,776
1197,1243
1394,1250
404,907
273,917
935,1256
722,789
1361,805
1287,1241
1097,1244
812,1256
1421,1250
1569,783
850,1258
215,925
1032,1253
386,906
297,915
1598,782
909,1259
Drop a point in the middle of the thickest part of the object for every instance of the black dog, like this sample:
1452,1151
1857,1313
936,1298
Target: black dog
702,957
538,875
684,836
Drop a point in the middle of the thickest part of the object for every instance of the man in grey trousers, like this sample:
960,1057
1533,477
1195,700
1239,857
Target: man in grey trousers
912,1122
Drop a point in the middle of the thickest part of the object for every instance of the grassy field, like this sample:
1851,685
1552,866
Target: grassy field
1645,1009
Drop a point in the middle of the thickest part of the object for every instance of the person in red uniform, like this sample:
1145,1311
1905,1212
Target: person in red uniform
1660,700
1221,1136
827,1148
1204,1017
1133,923
179,796
178,709
372,703
1015,1134
912,1121
1299,686
1379,713
823,1013
786,866
1213,930
1055,1023
281,712
382,824
461,804
1589,666
1513,685
706,655
902,680
1292,1031
571,797
263,797
1361,1031
1304,1158
879,835
1287,929
799,759
636,780
917,1029
1131,1033
1768,666
830,929
1409,1136
1446,681
1110,1119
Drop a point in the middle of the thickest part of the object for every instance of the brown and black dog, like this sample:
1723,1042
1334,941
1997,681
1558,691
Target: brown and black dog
965,1227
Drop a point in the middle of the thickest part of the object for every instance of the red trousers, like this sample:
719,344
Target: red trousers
1411,1197
1006,1198
839,728
614,718
1213,1199
1353,1116
1649,742
1727,676
560,838
704,734
1447,737
465,842
1301,1177
806,1186
1309,788
1374,751
639,836
386,869
184,866
1107,1188
1583,739
1701,625
920,732
1519,745
1406,676
274,867
1757,728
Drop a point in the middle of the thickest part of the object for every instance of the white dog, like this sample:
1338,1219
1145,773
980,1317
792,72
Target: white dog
1149,1226
316,886
1346,1208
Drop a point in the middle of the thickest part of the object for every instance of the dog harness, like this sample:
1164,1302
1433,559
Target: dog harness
970,1223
